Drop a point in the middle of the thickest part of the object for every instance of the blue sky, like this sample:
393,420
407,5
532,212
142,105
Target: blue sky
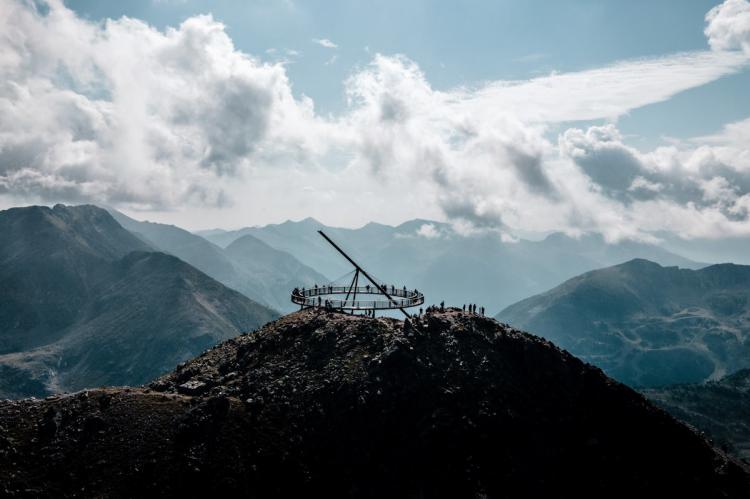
629,119
465,43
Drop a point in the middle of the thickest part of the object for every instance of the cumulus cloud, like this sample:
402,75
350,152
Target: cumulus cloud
728,26
708,185
123,113
494,170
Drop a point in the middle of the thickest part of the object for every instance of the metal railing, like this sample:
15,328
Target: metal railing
315,297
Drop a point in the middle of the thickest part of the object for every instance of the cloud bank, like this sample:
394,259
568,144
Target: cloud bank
121,113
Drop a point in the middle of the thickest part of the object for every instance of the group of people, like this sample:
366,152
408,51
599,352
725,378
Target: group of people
472,307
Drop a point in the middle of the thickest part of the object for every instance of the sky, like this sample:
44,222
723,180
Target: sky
630,119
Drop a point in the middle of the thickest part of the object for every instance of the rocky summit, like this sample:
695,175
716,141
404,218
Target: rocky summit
326,404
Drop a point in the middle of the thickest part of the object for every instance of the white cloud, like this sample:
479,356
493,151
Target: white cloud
325,42
428,231
124,114
708,185
607,92
728,26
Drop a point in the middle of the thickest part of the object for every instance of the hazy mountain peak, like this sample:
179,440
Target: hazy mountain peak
641,264
307,222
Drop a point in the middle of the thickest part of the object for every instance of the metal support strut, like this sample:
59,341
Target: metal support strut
359,269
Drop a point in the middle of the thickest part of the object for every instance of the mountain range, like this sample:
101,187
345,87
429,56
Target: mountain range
324,404
449,266
644,324
248,265
84,303
648,325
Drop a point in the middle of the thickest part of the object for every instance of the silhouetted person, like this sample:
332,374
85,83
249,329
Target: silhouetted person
442,306
319,300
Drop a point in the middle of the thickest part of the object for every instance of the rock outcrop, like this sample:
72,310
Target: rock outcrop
326,404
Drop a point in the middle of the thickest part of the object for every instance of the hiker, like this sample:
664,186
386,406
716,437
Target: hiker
464,307
442,306
319,300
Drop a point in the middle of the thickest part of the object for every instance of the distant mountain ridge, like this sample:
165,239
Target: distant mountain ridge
250,266
448,266
645,324
84,302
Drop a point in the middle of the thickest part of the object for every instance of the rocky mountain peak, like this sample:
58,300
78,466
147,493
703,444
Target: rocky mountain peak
445,405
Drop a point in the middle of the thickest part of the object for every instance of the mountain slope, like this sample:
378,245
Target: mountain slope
720,408
82,304
49,259
275,272
329,405
645,324
250,266
201,254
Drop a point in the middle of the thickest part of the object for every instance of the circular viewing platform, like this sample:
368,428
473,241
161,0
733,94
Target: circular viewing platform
348,297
